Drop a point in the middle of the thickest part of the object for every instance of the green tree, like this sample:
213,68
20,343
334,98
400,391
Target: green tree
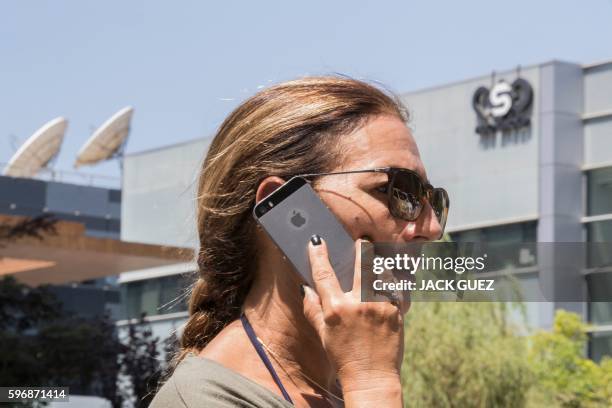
140,361
22,311
470,355
42,345
81,354
464,355
565,376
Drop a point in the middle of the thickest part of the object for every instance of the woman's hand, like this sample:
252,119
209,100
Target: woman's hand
364,340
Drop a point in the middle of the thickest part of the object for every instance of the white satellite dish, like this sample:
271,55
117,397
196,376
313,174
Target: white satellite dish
40,149
108,140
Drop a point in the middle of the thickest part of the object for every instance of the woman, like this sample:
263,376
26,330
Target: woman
256,336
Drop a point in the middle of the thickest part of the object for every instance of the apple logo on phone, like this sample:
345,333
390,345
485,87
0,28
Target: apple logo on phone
297,219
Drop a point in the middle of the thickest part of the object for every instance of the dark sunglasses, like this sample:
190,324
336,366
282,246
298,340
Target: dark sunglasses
406,192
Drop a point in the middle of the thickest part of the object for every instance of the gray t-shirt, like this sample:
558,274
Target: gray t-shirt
201,382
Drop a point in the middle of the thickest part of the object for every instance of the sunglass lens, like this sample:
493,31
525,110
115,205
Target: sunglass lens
405,196
439,203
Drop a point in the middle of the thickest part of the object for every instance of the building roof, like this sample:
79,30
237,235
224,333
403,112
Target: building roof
71,256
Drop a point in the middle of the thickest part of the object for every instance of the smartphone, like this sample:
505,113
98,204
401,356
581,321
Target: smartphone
295,212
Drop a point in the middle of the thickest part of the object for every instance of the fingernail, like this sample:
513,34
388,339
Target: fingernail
315,239
302,291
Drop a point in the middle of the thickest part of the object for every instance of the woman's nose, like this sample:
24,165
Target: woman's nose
425,227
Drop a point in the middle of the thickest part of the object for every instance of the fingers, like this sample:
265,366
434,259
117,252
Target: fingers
330,293
360,245
325,280
312,309
405,303
397,297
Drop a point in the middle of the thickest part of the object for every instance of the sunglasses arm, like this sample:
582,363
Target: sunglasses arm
375,170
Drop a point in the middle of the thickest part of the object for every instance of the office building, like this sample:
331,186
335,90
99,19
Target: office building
526,155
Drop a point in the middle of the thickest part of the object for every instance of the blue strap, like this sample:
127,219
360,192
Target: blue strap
264,358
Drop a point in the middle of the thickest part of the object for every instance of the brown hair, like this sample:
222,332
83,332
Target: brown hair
293,127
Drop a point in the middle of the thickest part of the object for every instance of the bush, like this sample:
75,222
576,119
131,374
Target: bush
463,355
565,376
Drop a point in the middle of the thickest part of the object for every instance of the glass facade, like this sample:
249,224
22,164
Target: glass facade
157,296
599,231
503,235
509,236
600,345
600,287
599,202
599,192
599,256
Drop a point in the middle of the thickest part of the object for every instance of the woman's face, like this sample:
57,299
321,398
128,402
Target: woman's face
384,141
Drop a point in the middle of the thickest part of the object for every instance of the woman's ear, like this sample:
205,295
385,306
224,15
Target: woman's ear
267,187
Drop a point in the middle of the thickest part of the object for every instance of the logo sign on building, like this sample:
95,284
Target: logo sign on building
504,107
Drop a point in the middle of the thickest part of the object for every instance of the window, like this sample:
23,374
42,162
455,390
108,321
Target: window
600,345
599,191
599,230
600,293
156,296
599,255
503,234
508,239
132,298
599,203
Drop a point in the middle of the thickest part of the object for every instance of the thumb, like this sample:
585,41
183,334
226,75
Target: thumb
313,310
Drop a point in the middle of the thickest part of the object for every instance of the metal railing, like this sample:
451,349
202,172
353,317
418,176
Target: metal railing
74,177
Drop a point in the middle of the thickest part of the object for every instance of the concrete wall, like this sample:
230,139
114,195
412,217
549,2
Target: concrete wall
489,180
598,130
561,204
159,188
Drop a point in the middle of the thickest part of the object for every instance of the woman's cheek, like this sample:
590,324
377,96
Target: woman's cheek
372,226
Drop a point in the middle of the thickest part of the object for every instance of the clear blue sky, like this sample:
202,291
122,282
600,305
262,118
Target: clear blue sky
184,65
